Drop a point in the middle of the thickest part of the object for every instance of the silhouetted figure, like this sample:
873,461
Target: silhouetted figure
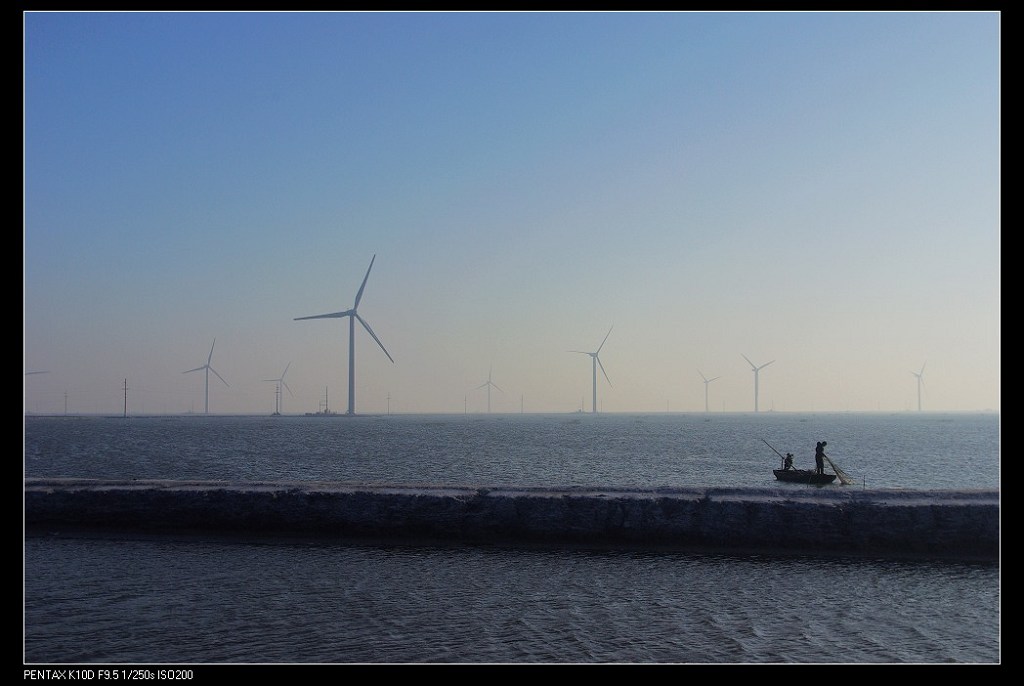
788,464
819,457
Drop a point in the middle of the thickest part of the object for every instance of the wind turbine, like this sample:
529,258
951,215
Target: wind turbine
353,315
208,369
920,382
757,372
488,384
596,362
280,383
706,382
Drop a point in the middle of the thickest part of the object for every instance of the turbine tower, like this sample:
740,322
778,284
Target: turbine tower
757,372
489,384
920,382
353,315
208,369
596,362
280,383
706,382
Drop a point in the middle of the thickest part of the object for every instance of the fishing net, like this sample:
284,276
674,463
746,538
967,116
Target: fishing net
845,478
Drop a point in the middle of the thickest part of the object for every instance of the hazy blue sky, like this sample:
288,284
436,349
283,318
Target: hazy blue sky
817,189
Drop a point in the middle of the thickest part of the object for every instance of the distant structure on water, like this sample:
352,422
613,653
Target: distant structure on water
920,382
353,315
595,363
707,381
757,373
278,392
207,368
489,384
324,410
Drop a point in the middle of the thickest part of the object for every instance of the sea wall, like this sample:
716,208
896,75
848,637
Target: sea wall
830,520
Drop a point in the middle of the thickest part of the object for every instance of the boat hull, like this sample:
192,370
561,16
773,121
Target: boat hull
803,476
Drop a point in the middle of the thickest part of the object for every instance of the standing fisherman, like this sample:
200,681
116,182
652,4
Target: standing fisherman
819,457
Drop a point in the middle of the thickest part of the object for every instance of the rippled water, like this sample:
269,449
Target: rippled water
930,451
105,599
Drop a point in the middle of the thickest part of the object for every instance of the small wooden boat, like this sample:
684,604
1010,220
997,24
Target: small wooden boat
803,476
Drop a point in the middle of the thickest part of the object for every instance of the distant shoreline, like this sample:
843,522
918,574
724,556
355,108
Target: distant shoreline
694,413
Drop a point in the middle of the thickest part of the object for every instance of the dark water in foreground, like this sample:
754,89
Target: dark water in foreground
177,600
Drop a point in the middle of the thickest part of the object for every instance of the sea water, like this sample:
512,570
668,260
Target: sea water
92,599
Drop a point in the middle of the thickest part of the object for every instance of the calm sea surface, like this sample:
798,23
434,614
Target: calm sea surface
129,599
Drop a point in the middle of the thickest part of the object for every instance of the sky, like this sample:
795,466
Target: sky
703,192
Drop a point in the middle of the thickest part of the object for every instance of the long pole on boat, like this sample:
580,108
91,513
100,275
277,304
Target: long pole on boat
776,451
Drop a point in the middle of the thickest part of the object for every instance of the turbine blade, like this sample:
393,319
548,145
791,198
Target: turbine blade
197,369
717,377
285,371
702,376
605,339
496,386
332,315
765,364
370,331
602,370
359,295
752,365
219,376
211,351
286,386
483,385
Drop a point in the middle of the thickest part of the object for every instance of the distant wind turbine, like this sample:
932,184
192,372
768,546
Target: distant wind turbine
208,369
489,384
757,373
596,362
280,383
920,382
353,315
706,382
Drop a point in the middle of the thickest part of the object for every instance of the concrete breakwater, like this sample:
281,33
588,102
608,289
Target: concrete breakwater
832,520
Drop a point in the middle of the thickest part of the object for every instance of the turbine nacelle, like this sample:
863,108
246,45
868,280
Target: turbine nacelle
706,379
753,366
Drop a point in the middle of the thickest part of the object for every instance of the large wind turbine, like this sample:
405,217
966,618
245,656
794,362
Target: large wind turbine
489,384
757,372
280,383
596,362
920,381
706,382
353,315
208,369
